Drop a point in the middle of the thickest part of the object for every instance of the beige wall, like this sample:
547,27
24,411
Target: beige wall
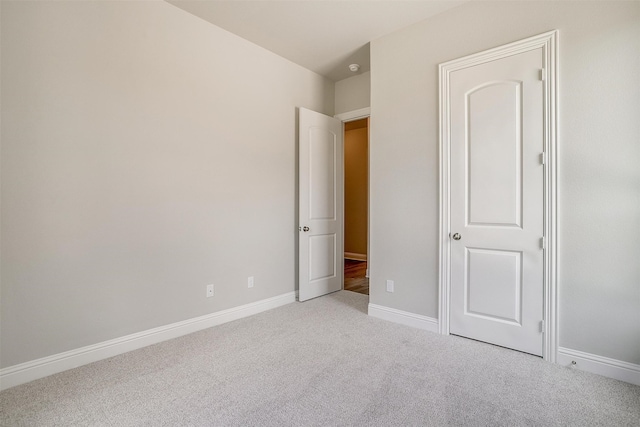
130,179
356,187
598,151
353,93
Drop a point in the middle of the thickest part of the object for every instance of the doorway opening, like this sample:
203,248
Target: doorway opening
356,205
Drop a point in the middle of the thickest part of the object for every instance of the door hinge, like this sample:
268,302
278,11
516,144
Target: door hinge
541,74
542,243
542,158
542,326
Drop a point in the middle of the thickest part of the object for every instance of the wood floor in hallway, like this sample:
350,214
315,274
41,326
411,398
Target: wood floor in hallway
355,279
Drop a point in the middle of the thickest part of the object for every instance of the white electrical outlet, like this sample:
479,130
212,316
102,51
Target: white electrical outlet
209,291
390,285
250,282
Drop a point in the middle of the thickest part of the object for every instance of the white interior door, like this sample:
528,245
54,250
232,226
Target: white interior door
321,187
496,202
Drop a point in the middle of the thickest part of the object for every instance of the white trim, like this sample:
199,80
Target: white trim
549,44
350,116
404,318
355,256
40,368
612,368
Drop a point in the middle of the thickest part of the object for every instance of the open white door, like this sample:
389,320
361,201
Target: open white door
321,187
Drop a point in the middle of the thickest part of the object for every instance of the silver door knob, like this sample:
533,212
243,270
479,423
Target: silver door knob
305,228
457,236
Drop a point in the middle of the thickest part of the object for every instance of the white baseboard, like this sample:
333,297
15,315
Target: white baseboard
355,256
404,317
612,368
40,368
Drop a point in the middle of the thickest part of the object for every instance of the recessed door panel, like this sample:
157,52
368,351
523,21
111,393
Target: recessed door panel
322,257
494,155
493,288
322,183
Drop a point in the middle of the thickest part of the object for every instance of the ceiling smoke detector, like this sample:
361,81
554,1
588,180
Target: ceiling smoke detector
354,67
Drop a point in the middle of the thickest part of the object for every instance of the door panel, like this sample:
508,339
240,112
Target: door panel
321,187
493,146
496,199
322,179
322,250
494,272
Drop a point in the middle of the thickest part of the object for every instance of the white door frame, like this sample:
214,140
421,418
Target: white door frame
549,74
351,116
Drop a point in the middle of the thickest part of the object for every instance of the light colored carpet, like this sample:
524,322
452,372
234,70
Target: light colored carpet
321,362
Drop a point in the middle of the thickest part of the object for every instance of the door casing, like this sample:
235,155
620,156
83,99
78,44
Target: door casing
549,43
349,116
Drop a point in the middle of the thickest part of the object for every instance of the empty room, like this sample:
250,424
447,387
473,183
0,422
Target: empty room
178,239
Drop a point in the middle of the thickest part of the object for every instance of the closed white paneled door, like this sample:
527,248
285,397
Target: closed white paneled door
321,188
497,201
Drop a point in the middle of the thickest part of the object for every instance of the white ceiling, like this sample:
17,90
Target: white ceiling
322,36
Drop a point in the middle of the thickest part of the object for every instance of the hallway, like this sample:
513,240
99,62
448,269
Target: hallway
355,279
